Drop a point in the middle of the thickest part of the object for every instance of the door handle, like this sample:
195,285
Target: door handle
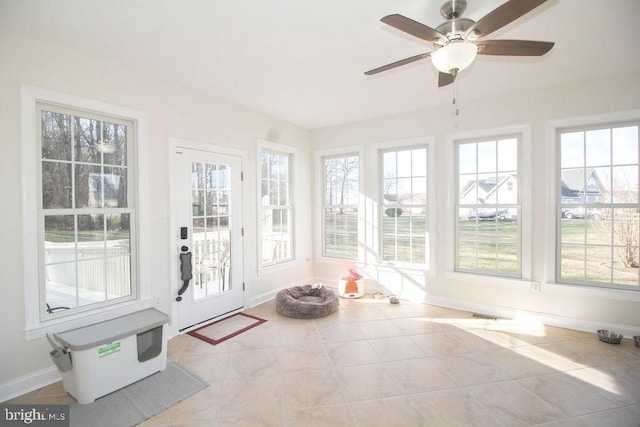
185,271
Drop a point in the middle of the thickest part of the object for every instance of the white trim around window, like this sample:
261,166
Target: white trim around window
34,327
292,153
525,169
552,129
373,187
319,202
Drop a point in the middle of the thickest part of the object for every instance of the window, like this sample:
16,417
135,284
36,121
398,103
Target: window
86,213
84,178
403,213
488,226
598,209
276,210
340,206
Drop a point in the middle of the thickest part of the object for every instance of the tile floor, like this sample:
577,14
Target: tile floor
376,364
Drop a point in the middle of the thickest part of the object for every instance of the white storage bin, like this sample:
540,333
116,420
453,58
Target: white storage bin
109,355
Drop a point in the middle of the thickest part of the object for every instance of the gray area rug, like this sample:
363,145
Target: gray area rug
137,402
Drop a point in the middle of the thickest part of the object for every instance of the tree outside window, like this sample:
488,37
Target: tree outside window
598,215
340,206
85,211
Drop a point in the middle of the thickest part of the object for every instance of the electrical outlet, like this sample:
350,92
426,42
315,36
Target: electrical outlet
535,286
157,300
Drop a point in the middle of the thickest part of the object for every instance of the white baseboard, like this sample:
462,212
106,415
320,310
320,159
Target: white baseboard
27,383
584,325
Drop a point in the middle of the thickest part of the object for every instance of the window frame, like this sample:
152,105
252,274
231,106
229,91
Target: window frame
292,154
583,125
32,234
395,147
320,197
524,133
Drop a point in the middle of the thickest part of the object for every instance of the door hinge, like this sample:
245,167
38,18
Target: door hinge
241,176
242,231
243,286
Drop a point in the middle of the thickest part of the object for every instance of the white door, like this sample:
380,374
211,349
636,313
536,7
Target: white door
209,212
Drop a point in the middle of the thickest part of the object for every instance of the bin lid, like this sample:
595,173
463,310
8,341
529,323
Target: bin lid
100,333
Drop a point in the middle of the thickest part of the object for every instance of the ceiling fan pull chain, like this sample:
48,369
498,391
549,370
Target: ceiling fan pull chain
456,103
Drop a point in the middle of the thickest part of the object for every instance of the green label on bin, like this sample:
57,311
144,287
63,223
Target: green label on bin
108,349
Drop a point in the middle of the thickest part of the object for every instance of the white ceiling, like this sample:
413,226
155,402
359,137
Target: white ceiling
303,61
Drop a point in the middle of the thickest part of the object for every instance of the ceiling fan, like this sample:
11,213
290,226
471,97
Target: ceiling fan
457,41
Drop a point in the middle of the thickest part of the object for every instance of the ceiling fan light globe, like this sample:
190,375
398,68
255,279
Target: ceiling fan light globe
456,55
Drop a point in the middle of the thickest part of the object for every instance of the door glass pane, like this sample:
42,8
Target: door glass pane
210,207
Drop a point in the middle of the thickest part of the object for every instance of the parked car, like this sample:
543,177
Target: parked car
487,214
581,213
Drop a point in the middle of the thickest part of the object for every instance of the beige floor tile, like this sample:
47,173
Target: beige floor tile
453,408
421,325
421,375
367,382
396,348
619,417
514,405
250,396
396,411
327,416
295,336
570,395
209,367
473,368
251,421
310,389
303,358
252,363
519,362
339,332
378,329
398,311
361,314
351,353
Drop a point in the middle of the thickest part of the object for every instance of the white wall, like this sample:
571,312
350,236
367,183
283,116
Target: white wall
173,111
562,305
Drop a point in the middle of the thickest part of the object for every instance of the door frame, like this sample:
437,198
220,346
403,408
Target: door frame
174,144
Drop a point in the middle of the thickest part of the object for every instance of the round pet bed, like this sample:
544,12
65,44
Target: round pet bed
306,302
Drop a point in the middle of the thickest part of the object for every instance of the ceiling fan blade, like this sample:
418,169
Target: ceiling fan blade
513,47
502,15
397,64
413,27
445,79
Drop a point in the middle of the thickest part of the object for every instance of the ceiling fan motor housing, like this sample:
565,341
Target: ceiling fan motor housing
453,9
455,28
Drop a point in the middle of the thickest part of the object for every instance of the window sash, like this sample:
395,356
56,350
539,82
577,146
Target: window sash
488,210
404,210
276,208
597,225
340,206
93,269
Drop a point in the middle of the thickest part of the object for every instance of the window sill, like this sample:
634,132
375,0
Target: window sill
64,324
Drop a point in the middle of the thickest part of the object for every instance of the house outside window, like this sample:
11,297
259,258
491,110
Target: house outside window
598,206
341,190
488,208
403,216
276,208
86,212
